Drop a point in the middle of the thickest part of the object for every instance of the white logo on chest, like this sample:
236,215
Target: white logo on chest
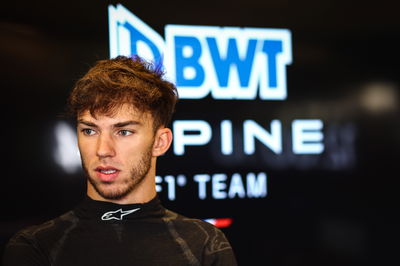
117,215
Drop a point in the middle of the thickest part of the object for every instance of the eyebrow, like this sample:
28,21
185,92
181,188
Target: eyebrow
127,123
87,123
116,125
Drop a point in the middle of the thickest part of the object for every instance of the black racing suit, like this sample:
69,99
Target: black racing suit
103,233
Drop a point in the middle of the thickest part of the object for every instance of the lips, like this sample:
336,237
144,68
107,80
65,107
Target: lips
107,173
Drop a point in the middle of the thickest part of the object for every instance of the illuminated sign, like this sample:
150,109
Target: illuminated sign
306,136
222,63
226,62
252,186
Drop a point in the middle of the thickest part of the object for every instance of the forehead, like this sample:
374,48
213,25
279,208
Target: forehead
124,112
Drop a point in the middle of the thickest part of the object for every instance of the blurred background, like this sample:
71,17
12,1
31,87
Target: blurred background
334,208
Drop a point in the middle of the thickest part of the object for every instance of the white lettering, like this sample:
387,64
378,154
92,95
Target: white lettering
236,187
307,136
171,186
272,140
256,185
222,187
226,137
218,186
202,179
181,139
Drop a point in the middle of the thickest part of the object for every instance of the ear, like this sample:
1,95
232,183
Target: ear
162,141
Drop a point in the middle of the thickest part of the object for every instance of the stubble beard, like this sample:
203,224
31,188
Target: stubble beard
137,174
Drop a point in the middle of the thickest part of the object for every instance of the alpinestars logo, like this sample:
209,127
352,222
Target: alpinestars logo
117,215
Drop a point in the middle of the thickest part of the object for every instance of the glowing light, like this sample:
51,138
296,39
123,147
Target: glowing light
220,222
380,98
66,153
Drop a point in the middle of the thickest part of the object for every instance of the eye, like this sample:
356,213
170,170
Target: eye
125,132
88,131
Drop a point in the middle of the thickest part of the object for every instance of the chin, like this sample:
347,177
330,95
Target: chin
111,191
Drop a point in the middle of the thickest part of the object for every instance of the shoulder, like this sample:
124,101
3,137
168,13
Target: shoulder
193,225
36,232
204,239
33,243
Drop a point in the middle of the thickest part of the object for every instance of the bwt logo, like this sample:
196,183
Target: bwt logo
225,62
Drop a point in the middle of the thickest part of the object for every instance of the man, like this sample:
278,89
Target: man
122,107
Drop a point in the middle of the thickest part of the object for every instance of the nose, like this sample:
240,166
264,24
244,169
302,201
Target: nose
105,146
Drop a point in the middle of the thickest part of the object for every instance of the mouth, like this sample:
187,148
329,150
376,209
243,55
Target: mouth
107,173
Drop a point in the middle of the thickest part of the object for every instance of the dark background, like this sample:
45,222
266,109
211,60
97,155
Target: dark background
338,208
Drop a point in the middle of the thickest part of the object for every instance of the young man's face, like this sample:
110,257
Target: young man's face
117,152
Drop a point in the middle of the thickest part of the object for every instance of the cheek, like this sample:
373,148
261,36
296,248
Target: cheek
129,151
86,149
134,150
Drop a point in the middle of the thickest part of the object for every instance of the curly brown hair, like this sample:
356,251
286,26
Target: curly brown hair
113,82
